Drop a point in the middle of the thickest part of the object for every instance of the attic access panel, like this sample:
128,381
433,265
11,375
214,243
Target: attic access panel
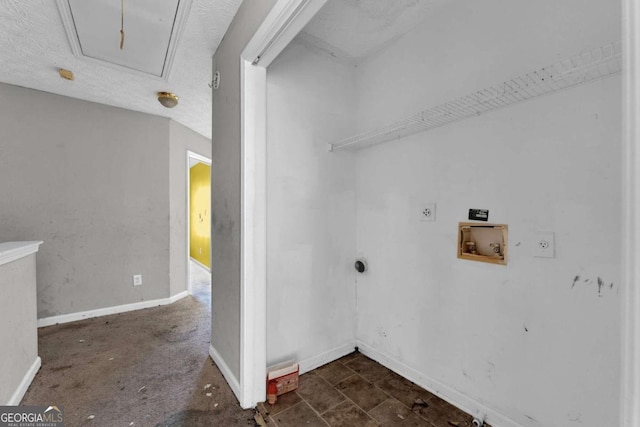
151,30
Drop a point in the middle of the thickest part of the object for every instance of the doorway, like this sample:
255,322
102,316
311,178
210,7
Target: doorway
198,222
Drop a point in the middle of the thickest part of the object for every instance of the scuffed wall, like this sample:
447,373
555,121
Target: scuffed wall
536,342
91,181
311,209
104,188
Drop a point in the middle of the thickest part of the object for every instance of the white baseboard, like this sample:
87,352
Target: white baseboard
226,372
177,297
25,383
326,357
72,317
452,396
199,264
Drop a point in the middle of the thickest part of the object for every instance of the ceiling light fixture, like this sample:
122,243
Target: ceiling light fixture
167,99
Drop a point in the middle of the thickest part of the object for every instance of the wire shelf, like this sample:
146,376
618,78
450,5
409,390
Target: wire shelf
586,67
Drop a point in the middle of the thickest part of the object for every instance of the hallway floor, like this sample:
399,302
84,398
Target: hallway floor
152,368
143,368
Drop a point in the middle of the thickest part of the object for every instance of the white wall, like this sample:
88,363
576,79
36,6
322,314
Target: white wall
182,139
521,340
104,188
226,192
92,182
310,209
470,45
18,331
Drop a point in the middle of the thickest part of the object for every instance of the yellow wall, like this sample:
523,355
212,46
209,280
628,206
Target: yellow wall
200,213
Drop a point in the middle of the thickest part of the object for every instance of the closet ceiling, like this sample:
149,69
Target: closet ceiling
354,30
167,47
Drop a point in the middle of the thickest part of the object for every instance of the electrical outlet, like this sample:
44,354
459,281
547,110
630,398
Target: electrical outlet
428,212
543,245
137,280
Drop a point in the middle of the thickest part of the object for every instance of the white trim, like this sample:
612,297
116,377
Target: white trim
177,297
69,26
284,21
226,372
179,24
11,251
447,393
17,395
328,356
199,264
630,372
72,317
198,157
253,271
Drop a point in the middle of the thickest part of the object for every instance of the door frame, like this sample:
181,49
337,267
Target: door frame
630,334
284,21
282,24
202,159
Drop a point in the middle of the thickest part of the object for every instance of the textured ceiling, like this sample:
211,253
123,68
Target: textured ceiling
34,45
354,30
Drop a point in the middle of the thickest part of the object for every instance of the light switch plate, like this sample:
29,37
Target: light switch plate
544,244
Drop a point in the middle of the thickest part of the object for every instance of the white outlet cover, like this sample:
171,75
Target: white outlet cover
427,212
544,244
137,280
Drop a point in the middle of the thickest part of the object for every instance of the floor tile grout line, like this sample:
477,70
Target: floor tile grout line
380,404
337,404
347,399
351,400
292,406
343,395
358,406
333,385
310,406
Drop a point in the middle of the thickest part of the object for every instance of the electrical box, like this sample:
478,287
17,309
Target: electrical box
483,242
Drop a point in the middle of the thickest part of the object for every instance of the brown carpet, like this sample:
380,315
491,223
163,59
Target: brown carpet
144,368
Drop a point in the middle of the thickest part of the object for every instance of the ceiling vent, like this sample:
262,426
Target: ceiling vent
152,31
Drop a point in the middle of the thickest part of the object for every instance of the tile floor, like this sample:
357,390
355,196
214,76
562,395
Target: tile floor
356,391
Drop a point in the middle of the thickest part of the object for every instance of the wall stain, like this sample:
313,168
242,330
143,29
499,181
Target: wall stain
491,370
575,280
525,328
576,419
600,283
